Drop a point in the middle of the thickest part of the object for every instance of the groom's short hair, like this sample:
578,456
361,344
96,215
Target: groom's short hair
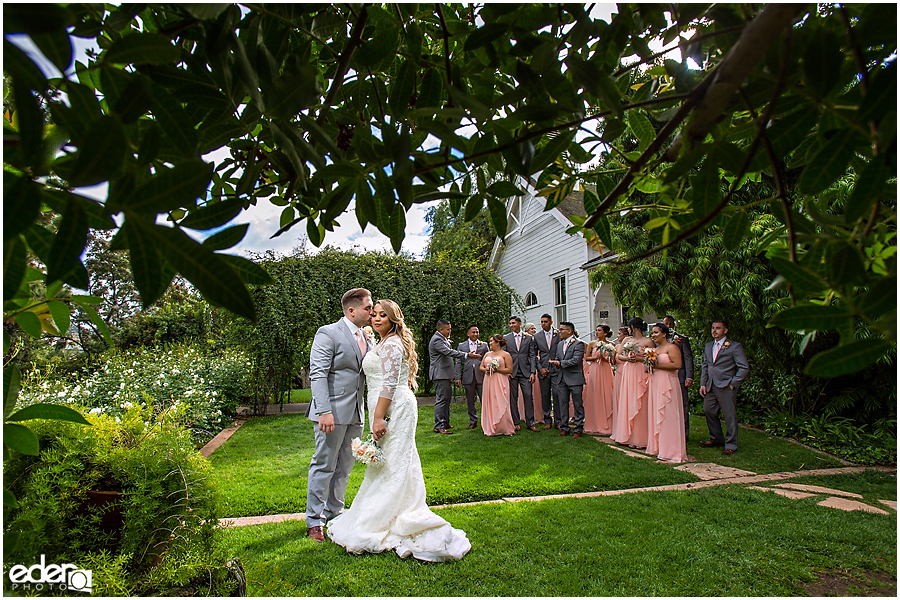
722,321
442,323
354,297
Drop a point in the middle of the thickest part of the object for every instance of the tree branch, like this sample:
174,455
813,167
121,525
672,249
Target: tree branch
857,51
344,62
681,45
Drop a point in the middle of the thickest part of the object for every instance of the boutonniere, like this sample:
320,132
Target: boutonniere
726,344
677,338
369,333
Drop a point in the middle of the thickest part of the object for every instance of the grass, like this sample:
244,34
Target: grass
871,485
299,396
722,541
262,469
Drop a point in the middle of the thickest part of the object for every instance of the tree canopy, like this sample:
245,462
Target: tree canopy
386,106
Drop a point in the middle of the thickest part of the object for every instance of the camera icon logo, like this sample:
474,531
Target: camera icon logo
80,580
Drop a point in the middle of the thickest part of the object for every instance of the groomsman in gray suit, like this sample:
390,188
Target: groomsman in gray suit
569,365
724,368
336,408
686,372
523,352
442,371
469,375
546,340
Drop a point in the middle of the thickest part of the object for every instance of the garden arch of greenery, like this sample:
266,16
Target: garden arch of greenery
306,295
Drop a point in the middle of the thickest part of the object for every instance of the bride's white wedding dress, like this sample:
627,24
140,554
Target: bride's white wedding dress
389,511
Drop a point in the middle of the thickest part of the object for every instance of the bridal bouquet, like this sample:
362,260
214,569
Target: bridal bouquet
650,358
608,349
631,347
367,452
494,365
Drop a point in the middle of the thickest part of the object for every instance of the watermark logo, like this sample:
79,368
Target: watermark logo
43,577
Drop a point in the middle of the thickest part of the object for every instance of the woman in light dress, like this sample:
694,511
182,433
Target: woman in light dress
389,511
621,337
666,412
496,414
531,329
598,389
631,418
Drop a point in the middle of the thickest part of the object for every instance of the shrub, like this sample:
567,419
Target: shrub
843,437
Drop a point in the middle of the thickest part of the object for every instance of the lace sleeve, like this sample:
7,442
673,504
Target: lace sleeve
391,355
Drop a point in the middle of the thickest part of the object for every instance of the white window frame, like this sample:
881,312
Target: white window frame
533,304
560,309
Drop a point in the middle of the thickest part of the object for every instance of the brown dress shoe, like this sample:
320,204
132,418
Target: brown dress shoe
316,533
449,427
710,444
472,426
533,428
563,432
577,435
518,427
728,452
442,430
548,426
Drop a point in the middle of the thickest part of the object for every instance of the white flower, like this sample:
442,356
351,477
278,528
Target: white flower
95,411
122,386
127,405
61,395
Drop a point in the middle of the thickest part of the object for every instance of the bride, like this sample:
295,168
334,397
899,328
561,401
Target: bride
389,511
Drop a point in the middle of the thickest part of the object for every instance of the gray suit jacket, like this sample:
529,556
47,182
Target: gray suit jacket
335,375
545,353
525,358
687,357
571,366
467,369
441,356
730,367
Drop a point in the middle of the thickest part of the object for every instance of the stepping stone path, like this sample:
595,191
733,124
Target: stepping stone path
710,474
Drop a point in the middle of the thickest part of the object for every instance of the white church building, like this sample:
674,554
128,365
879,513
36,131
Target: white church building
549,268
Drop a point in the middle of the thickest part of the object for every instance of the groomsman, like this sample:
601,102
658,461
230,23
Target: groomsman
546,340
523,351
442,371
686,372
724,368
468,374
570,382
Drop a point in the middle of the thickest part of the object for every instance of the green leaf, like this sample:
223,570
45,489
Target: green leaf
869,185
397,228
822,60
604,231
101,153
173,188
641,127
552,149
99,323
810,317
31,124
60,314
431,90
246,72
612,129
881,297
30,323
207,271
35,18
249,272
402,88
846,264
69,242
145,261
557,193
474,107
504,189
143,48
22,68
20,439
12,539
21,204
786,134
847,358
173,121
227,238
882,96
485,35
14,266
830,162
134,101
12,379
205,11
706,188
56,46
213,215
800,277
294,91
610,95
48,411
735,230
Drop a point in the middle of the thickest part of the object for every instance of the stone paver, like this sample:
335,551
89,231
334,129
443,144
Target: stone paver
786,493
709,471
845,504
242,521
631,453
817,489
891,503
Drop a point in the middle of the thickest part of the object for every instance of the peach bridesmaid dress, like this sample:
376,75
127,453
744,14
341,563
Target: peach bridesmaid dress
631,416
598,397
666,415
496,414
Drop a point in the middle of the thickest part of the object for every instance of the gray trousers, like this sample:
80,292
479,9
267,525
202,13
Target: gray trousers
441,403
472,389
329,472
549,399
721,398
686,402
528,397
564,392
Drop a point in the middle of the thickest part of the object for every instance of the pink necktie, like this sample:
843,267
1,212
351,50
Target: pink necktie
716,351
471,346
549,337
518,342
361,341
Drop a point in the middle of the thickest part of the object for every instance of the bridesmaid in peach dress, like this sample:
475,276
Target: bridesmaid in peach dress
496,415
621,337
598,391
530,329
631,418
666,416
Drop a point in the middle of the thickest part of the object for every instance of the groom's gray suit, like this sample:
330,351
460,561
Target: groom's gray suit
729,368
336,379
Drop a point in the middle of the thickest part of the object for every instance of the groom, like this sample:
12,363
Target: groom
336,379
724,368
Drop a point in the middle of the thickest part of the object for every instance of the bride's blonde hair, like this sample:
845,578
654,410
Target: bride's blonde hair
398,327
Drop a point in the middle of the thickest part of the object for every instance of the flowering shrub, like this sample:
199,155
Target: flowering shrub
203,389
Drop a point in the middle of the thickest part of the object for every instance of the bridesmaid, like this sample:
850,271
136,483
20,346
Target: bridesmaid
631,418
621,338
530,329
666,416
496,414
598,391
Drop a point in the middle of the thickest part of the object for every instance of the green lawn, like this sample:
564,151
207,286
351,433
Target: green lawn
262,468
722,541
